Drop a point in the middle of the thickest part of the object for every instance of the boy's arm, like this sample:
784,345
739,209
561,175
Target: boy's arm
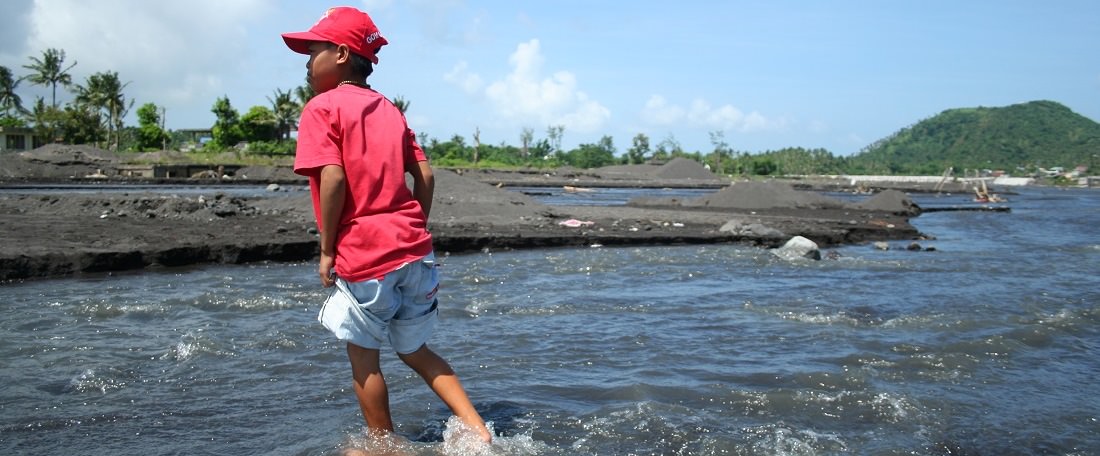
333,191
423,185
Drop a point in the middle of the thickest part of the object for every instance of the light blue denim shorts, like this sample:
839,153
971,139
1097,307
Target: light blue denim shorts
399,307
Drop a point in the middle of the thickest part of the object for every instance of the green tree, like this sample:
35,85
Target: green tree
763,166
227,129
150,135
668,148
450,152
304,93
80,124
592,155
50,70
542,150
639,149
47,121
103,92
286,112
259,124
9,100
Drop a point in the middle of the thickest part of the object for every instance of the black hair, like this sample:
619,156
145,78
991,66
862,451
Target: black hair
361,66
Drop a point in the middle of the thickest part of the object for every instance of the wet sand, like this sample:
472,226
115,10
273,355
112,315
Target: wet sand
50,235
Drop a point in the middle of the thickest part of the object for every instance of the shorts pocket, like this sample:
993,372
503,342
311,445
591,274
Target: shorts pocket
427,284
349,320
407,336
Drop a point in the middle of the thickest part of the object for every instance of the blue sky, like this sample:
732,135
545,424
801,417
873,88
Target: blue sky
767,74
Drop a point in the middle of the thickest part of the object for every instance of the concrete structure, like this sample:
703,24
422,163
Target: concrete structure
178,171
16,139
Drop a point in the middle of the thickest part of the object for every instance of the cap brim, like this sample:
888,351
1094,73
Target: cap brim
299,41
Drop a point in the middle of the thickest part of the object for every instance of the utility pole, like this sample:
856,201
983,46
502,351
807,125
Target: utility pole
477,143
163,132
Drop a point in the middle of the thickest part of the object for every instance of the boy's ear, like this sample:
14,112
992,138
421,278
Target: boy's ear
343,53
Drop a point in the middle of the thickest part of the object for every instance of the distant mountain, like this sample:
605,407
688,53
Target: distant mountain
1029,135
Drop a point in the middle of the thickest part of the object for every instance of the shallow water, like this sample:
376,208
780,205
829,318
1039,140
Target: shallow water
988,345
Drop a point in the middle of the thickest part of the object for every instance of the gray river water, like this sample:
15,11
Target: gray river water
989,345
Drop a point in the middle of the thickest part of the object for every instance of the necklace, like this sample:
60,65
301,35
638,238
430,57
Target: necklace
354,83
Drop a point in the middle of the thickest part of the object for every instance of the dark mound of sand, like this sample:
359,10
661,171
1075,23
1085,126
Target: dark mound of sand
776,195
764,195
683,168
677,168
892,201
628,171
62,154
268,173
461,198
57,160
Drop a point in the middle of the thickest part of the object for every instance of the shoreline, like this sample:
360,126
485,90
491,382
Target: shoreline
58,234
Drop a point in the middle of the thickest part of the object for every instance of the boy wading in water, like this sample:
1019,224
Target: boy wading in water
355,147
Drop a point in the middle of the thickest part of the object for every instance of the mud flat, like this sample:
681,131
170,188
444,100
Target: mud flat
59,234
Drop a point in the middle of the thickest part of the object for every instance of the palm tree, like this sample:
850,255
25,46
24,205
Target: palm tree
304,93
401,103
286,113
103,92
9,100
48,71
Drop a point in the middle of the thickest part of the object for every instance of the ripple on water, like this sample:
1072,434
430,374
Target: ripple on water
101,380
194,344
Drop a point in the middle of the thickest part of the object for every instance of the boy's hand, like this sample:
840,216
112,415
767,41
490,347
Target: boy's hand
328,276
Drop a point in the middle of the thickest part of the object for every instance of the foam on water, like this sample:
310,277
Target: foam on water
99,380
458,440
193,344
782,439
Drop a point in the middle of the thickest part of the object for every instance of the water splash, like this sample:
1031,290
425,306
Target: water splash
89,380
458,440
785,440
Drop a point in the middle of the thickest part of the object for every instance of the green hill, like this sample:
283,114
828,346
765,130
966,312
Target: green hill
1029,135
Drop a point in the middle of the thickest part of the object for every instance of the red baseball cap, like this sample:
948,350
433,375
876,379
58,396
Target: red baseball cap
341,25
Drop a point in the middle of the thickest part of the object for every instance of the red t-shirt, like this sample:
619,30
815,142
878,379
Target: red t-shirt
382,226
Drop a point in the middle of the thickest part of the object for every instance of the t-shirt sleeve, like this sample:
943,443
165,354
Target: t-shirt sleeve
318,140
413,152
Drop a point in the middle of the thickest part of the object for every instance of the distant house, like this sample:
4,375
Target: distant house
16,139
194,137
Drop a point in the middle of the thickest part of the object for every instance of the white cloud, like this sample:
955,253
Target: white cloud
658,111
524,95
461,76
169,51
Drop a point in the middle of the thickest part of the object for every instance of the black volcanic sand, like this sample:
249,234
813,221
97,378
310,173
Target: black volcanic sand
62,234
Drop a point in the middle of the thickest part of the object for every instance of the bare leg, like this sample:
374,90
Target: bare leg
442,379
370,387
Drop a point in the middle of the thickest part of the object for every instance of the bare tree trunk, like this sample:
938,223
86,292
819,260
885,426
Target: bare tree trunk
477,143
